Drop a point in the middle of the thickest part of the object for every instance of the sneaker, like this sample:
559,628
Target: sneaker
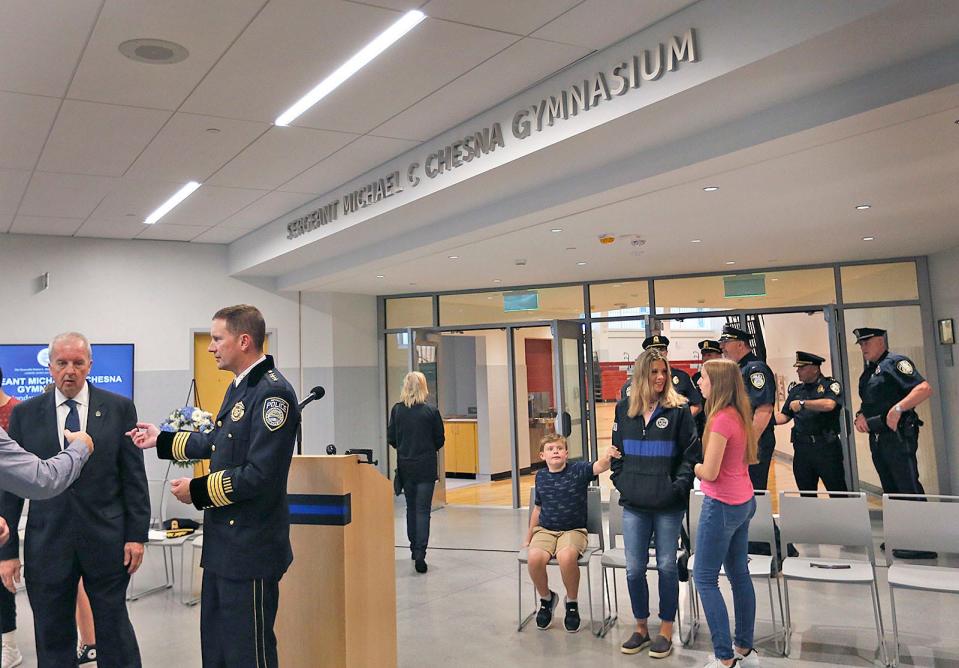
716,663
420,565
661,647
748,660
636,643
544,618
86,654
572,621
11,656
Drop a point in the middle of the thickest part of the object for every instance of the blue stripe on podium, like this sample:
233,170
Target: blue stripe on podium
322,509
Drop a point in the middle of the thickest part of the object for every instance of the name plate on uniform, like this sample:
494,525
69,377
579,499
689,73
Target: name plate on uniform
322,509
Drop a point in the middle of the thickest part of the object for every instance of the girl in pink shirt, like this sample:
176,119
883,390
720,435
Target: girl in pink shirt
729,446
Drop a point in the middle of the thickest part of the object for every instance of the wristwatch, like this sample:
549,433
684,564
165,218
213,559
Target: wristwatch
802,404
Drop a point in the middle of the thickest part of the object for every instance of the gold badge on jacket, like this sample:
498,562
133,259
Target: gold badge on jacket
237,413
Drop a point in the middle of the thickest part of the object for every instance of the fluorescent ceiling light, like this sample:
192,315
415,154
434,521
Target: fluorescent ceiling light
863,207
711,189
167,206
382,42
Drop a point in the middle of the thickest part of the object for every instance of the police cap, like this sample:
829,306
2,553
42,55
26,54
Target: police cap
709,346
655,341
804,359
863,333
731,333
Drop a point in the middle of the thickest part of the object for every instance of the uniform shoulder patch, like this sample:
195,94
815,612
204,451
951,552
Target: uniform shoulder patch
275,412
835,388
905,367
615,426
675,380
792,386
757,380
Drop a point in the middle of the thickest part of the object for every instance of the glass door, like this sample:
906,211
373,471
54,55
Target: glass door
840,371
569,385
425,353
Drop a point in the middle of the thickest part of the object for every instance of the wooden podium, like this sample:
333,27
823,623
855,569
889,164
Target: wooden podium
338,600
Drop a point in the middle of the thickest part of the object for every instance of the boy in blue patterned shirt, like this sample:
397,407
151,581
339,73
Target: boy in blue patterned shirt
557,525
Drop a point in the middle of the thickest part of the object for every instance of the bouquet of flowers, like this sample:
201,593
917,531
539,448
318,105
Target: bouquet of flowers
188,418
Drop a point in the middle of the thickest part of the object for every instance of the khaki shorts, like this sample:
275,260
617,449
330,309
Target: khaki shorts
554,541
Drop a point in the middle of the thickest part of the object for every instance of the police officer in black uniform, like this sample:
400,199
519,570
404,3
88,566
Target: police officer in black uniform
761,388
815,404
708,350
246,548
682,383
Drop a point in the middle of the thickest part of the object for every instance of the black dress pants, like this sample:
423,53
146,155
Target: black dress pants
54,618
236,622
8,611
419,502
812,462
894,456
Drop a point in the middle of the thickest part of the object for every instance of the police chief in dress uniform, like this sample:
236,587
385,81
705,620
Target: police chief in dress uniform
682,383
890,388
761,388
246,523
708,350
815,404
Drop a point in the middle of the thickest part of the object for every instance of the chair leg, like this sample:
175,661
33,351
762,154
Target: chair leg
772,612
589,592
895,626
880,629
782,614
788,619
609,621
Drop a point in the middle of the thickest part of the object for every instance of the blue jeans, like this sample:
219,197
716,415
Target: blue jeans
419,501
722,541
638,528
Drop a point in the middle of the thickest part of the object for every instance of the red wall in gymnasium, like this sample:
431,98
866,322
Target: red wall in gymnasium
539,366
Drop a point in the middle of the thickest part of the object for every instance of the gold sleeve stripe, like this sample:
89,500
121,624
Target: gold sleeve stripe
178,449
227,486
213,484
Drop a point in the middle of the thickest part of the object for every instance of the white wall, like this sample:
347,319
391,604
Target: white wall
943,268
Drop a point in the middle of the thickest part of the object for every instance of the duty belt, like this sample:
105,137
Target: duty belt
814,439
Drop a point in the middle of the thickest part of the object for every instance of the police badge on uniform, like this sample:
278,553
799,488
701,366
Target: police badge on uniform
275,411
238,410
662,423
758,380
905,367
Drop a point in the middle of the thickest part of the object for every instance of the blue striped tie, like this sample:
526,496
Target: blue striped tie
73,419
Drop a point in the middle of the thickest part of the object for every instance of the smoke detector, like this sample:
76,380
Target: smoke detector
154,51
521,262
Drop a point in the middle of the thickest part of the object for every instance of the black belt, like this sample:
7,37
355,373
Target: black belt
814,439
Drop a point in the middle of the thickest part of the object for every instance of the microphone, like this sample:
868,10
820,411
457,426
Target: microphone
316,393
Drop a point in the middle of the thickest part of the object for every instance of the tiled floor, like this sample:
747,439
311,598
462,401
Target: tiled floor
463,613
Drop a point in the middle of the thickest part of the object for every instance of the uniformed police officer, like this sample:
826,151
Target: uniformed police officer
708,350
682,383
761,388
246,522
815,404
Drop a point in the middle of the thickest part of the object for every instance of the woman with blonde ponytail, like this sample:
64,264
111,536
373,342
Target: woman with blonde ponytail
416,431
729,446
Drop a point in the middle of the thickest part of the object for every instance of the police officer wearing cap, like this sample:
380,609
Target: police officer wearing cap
761,388
246,520
682,383
814,404
708,350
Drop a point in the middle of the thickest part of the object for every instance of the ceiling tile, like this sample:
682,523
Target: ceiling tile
290,46
264,210
278,156
102,139
599,23
361,156
209,205
40,43
12,185
111,228
429,57
516,17
205,29
5,222
163,232
134,197
185,151
220,235
64,195
399,5
25,121
43,225
516,68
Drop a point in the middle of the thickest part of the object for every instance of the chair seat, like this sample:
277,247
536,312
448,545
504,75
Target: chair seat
843,570
760,565
929,578
614,558
523,556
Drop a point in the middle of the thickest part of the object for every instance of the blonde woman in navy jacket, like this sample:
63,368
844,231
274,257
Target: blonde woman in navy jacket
657,436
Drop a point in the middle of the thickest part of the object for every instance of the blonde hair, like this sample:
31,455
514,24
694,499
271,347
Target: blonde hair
414,390
552,438
641,395
726,389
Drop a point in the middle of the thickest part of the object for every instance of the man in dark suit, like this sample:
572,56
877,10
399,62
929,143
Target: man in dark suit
96,529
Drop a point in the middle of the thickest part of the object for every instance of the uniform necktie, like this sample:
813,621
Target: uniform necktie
73,419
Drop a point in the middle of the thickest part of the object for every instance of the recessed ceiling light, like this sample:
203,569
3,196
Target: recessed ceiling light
863,207
580,263
869,238
412,283
178,197
696,241
153,51
556,229
380,276
496,280
380,43
213,131
454,257
569,248
730,262
711,189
